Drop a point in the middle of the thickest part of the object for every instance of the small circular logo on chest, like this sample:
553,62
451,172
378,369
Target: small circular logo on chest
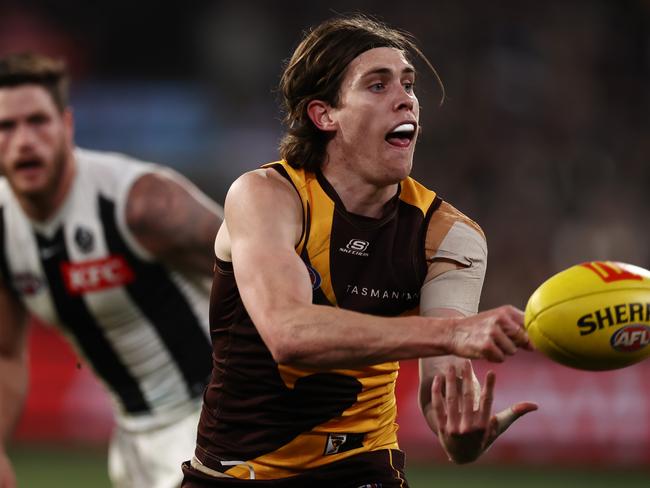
84,239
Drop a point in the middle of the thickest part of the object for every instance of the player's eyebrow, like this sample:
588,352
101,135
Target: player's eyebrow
387,71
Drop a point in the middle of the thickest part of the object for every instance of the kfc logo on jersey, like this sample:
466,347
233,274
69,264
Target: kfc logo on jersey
356,247
96,275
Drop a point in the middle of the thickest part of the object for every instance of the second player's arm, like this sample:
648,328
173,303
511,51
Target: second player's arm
13,374
264,218
174,220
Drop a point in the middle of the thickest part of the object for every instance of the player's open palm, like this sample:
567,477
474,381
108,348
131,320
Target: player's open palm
7,477
463,415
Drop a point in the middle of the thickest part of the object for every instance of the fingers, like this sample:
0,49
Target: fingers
508,334
467,403
508,416
487,398
513,326
451,397
438,402
504,343
522,408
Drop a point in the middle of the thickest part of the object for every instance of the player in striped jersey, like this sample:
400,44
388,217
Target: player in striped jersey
324,262
115,252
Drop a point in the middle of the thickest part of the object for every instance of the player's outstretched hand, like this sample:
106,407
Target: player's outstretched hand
7,477
465,424
492,335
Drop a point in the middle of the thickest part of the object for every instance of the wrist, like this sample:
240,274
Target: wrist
444,334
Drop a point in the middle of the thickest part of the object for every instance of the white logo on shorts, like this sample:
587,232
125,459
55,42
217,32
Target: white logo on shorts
334,443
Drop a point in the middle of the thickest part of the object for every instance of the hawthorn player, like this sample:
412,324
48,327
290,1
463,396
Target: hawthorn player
322,262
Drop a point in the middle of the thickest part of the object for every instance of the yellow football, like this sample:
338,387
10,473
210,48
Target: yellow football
593,316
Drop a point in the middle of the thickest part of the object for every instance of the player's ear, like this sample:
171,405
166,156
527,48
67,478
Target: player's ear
320,114
68,123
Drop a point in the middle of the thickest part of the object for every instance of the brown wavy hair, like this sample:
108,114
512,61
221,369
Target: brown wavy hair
31,68
316,70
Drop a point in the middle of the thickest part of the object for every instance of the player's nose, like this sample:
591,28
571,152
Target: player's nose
404,101
24,136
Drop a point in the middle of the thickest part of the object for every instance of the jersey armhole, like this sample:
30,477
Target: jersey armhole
283,172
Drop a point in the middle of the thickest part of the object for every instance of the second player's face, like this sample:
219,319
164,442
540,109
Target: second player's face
377,117
34,139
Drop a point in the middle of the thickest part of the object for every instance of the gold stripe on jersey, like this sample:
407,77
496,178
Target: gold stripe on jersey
321,207
417,195
298,455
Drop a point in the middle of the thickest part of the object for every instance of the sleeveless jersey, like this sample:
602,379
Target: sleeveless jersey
141,325
282,420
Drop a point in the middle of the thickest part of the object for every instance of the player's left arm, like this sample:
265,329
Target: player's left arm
173,220
455,407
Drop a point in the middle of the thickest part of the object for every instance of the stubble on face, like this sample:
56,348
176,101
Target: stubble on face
35,145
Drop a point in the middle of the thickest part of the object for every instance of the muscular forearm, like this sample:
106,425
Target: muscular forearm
13,391
329,337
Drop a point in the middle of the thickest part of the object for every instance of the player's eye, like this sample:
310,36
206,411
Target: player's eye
7,125
38,119
376,87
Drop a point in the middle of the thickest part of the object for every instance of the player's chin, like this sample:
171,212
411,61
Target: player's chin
401,166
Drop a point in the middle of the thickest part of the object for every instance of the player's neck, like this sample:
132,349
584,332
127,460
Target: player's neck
359,195
43,206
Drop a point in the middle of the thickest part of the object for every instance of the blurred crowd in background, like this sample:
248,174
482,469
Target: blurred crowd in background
543,137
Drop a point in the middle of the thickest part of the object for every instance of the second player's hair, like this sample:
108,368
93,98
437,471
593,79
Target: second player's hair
36,69
316,71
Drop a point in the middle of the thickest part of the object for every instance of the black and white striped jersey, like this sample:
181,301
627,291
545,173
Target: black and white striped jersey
140,324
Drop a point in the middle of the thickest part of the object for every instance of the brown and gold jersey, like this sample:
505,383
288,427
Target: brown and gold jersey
280,419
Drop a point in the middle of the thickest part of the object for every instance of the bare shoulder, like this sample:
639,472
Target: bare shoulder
262,190
149,196
167,214
166,195
266,181
263,201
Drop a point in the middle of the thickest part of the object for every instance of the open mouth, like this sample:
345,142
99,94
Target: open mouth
402,135
28,164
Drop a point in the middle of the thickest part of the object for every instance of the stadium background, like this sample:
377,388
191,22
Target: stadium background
543,139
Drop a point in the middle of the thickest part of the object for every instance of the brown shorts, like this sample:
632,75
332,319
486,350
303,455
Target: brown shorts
366,470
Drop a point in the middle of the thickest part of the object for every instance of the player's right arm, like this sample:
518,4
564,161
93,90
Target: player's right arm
13,374
264,223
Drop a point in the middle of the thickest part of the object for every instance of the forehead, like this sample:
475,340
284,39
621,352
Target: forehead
16,101
378,58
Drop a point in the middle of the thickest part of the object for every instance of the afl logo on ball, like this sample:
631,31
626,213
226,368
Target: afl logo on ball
84,239
314,277
631,338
